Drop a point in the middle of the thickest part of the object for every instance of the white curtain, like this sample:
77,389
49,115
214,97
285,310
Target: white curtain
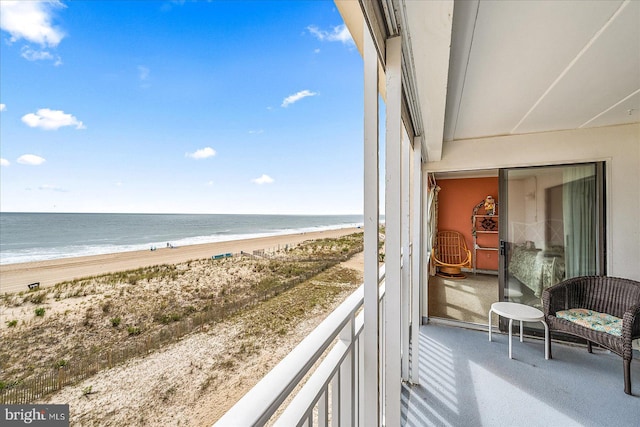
432,217
579,212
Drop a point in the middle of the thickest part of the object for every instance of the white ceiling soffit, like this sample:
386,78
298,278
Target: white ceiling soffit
425,65
426,27
429,23
534,66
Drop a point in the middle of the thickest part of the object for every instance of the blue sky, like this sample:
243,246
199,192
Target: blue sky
179,107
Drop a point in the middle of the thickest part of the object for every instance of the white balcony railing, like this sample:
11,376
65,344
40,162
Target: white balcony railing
332,393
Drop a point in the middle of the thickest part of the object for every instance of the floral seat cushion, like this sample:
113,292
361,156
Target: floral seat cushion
593,320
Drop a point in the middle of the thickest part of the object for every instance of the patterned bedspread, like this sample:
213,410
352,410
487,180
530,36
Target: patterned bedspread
535,268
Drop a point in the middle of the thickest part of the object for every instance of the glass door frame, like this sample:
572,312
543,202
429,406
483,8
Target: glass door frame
504,244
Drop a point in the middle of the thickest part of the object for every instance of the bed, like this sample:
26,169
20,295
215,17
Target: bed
537,268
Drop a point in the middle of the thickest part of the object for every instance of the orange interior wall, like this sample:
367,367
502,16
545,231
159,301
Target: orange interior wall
456,200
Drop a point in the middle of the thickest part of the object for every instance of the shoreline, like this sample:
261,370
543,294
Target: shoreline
16,277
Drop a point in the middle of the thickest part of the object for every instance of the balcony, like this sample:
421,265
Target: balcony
463,380
321,380
467,380
418,57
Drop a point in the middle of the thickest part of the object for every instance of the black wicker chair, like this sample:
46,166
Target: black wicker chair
615,296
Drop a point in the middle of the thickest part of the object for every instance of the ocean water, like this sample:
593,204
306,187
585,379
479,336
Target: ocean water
26,237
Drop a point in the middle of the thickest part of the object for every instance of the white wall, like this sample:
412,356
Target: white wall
618,146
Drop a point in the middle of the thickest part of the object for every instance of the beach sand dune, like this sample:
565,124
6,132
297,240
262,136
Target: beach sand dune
17,277
195,380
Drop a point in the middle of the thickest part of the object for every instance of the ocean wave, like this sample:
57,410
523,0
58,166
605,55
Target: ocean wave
17,256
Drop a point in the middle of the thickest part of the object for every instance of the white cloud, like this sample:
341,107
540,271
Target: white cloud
34,55
47,187
4,162
256,132
3,107
31,159
39,55
264,179
338,33
48,119
297,97
167,6
143,72
143,76
202,153
31,21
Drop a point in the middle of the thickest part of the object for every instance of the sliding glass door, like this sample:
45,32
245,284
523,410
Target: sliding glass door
551,228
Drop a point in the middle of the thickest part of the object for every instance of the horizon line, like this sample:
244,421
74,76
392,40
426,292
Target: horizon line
180,213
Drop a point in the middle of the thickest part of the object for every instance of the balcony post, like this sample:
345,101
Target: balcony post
360,381
405,265
371,379
336,400
393,244
416,258
347,383
426,243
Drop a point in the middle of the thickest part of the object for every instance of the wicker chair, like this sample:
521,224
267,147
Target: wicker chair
614,296
450,254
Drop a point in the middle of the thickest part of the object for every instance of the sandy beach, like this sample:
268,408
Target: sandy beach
197,377
16,277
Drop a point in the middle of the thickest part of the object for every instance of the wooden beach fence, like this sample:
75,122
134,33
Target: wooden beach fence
35,387
40,385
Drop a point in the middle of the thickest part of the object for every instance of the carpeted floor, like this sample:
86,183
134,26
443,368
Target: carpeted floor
466,300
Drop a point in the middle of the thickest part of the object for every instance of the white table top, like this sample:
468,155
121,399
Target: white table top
517,311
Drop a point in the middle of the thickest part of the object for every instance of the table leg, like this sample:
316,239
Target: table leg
490,326
546,340
510,334
521,331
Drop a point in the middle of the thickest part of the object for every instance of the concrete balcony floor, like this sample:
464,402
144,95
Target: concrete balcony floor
465,380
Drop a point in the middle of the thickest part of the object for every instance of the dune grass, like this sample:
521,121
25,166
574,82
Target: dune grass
79,320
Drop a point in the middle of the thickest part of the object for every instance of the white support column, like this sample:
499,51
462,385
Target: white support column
426,235
405,224
372,348
393,173
416,258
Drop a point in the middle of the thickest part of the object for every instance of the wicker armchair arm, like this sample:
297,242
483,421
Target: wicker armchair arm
554,298
631,322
